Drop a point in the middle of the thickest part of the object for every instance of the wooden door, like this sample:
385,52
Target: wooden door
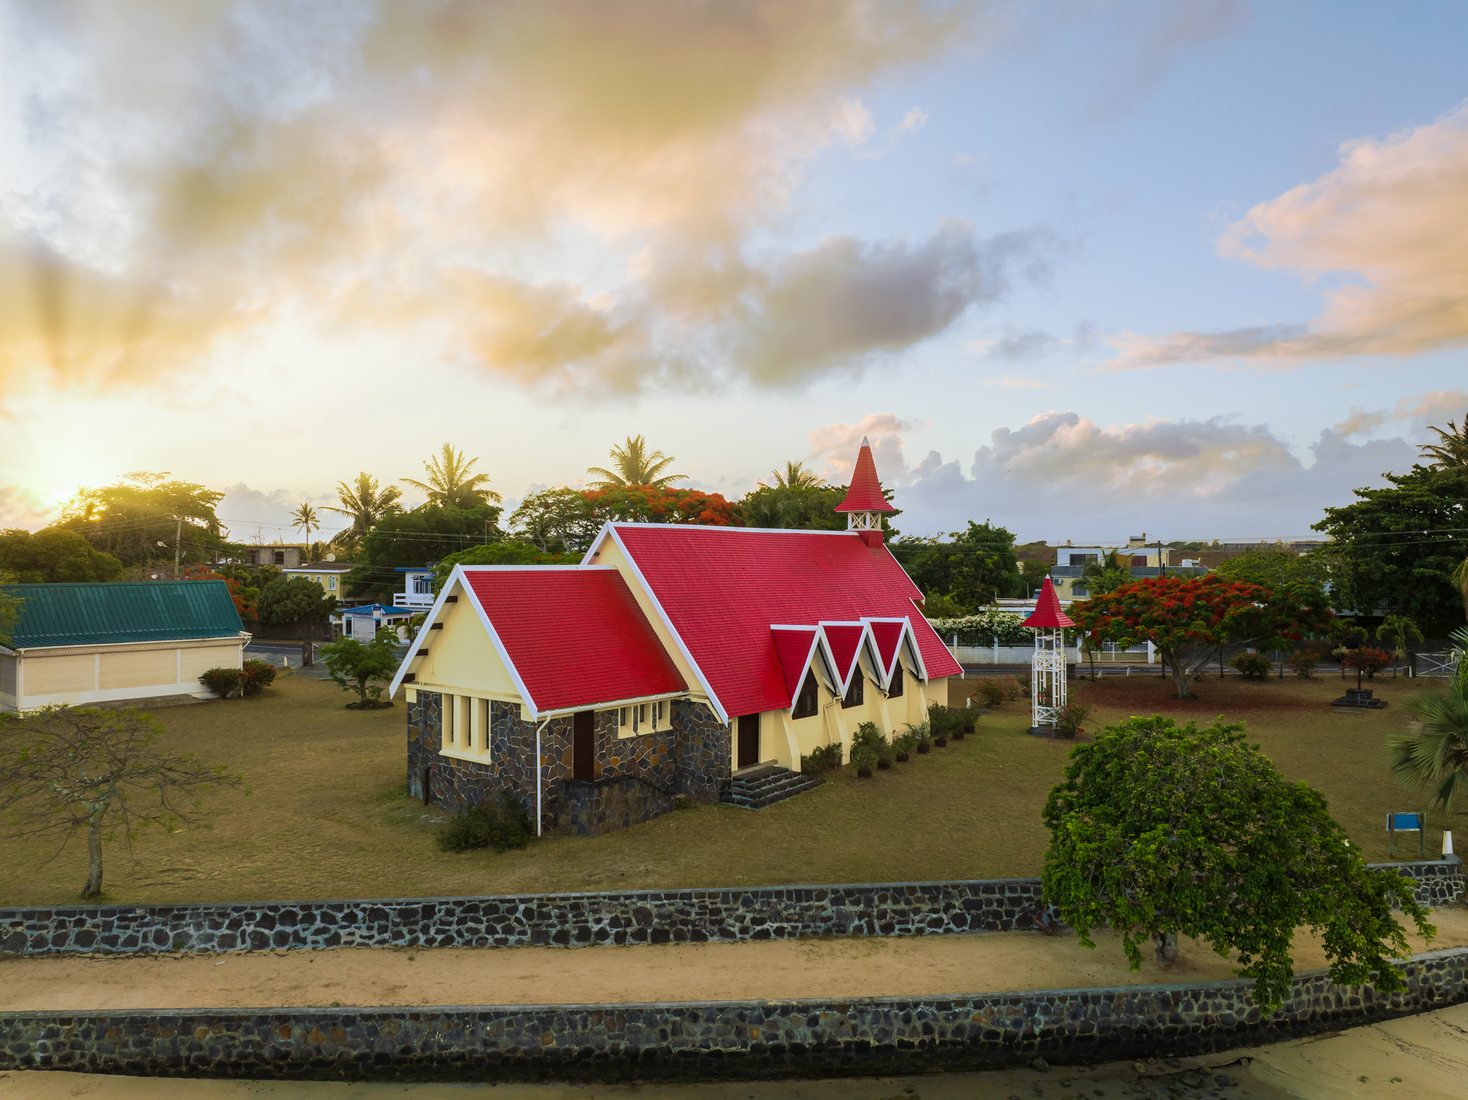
748,741
583,745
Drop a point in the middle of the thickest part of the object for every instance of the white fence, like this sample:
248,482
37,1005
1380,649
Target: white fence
1020,655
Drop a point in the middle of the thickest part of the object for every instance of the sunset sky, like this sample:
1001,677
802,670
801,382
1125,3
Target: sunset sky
1081,268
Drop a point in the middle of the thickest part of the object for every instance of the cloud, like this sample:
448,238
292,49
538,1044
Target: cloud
1010,383
1416,413
1385,234
264,515
21,508
208,165
1015,346
835,446
913,121
847,300
1163,34
1064,475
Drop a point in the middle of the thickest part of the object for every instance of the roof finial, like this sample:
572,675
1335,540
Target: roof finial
865,442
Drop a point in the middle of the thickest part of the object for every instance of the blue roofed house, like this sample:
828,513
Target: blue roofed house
79,644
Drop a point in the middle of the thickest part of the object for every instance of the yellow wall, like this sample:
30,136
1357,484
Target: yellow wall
461,659
134,669
53,675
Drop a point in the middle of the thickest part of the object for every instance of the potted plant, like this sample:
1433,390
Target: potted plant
902,746
969,718
922,736
864,757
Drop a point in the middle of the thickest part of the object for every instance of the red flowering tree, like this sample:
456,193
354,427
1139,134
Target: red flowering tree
654,504
1189,618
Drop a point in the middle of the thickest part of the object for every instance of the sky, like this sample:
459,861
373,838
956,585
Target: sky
1084,269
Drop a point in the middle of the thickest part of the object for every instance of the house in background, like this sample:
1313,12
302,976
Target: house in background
285,555
363,622
330,575
1142,559
674,660
417,587
80,644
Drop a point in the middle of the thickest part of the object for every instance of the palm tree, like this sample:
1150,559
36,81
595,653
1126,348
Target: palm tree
633,464
305,517
450,484
1398,631
1104,574
796,476
366,503
1451,449
1436,753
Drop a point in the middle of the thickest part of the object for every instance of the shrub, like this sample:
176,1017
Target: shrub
223,682
500,825
1368,659
1251,666
989,693
825,759
1303,662
1069,719
904,743
864,757
868,736
921,733
1019,687
258,675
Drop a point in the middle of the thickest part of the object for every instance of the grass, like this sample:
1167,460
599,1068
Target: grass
326,815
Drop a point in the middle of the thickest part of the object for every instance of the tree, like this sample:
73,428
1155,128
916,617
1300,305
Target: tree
357,665
556,520
298,602
1160,830
633,464
972,567
1189,618
1459,577
799,504
9,609
796,476
1396,547
100,771
1104,574
418,538
54,554
1451,448
1435,753
450,483
505,552
305,518
1277,569
365,503
244,598
654,504
145,518
1398,631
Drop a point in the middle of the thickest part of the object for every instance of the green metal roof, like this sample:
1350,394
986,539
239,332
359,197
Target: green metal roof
142,611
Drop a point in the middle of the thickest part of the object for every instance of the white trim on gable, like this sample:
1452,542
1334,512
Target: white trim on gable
609,529
457,584
907,635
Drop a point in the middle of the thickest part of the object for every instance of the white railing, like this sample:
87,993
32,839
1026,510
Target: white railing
412,599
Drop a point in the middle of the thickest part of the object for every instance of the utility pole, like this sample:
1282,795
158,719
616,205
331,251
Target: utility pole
1161,563
177,543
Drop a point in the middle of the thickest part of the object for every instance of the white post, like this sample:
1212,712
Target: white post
1447,843
1151,654
538,781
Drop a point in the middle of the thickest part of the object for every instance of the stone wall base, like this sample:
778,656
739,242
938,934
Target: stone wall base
712,1040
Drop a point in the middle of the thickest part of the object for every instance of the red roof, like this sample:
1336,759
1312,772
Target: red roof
794,646
845,642
722,588
1047,611
865,493
575,636
887,635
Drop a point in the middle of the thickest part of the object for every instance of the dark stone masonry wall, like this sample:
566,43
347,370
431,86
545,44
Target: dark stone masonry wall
706,1041
576,920
689,755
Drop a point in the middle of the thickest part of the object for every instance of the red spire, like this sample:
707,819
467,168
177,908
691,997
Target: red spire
865,493
1047,610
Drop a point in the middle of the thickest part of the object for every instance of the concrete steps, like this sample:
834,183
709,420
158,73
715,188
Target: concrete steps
757,788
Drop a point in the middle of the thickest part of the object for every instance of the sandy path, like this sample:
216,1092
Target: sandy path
778,970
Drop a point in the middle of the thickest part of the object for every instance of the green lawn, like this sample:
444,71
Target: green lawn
326,816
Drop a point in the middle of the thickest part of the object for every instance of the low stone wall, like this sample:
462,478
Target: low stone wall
713,1040
572,920
597,806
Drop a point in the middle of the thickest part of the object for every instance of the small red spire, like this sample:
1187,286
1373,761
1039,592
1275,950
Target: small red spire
1047,610
865,493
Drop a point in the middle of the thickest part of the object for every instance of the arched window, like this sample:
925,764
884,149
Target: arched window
806,699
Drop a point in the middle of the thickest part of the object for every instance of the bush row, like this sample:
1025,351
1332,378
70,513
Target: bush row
228,683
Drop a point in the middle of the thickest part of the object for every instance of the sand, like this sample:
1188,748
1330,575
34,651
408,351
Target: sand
774,970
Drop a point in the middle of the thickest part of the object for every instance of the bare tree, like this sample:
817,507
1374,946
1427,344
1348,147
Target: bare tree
70,769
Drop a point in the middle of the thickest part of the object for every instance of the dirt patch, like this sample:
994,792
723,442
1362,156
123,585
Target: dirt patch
1145,692
824,969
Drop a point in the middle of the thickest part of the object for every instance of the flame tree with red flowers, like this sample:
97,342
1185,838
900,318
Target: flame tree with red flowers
1188,619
